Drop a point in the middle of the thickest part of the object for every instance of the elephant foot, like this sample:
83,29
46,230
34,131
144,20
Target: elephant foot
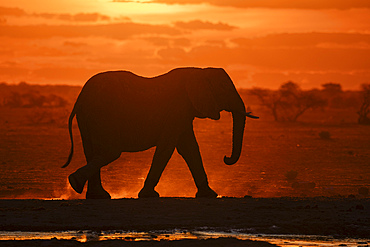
206,193
77,181
98,195
147,193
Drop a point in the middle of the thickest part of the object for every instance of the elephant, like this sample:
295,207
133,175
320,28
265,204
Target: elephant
119,111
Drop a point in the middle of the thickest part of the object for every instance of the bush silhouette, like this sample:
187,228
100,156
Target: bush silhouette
34,99
289,102
325,135
364,111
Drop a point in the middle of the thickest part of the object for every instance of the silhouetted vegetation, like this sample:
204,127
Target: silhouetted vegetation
291,175
325,135
289,102
337,98
365,106
34,99
24,95
39,104
44,116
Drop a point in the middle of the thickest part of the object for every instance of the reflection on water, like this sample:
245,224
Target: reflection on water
85,236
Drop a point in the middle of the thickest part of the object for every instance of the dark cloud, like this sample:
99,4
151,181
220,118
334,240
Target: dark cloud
164,41
298,4
11,12
80,17
122,18
74,44
271,66
303,39
262,53
115,30
205,25
90,17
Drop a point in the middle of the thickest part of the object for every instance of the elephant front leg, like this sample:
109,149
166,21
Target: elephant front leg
160,159
188,148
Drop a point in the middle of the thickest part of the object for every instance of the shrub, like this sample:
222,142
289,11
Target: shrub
45,116
34,99
291,175
325,135
364,111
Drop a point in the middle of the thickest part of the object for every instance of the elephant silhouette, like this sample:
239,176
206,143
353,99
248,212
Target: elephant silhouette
118,111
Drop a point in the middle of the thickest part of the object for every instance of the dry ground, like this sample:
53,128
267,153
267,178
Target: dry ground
31,156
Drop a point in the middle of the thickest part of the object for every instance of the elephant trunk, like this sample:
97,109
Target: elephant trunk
238,132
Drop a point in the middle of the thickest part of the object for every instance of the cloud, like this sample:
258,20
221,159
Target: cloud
205,25
172,54
4,11
298,52
313,39
276,4
79,17
9,69
63,73
74,44
165,41
117,31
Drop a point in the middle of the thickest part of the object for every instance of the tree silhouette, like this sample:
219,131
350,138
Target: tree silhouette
270,99
365,106
289,102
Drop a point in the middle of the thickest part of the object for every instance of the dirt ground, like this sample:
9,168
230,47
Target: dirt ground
315,216
321,216
31,156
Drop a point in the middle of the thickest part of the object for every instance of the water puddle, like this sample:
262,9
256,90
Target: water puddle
280,240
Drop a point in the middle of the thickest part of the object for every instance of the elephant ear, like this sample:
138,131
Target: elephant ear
199,91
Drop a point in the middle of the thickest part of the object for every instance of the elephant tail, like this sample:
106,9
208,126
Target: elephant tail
73,113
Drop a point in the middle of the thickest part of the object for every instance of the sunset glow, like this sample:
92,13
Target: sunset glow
259,43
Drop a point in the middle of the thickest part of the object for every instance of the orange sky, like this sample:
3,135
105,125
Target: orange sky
259,42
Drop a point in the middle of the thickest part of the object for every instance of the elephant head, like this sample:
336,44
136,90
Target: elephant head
212,91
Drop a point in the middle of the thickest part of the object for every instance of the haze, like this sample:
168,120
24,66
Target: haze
259,43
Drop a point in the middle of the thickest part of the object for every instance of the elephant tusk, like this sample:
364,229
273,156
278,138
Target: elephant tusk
248,114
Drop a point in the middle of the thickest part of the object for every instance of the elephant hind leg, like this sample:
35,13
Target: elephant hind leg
77,181
91,173
95,188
